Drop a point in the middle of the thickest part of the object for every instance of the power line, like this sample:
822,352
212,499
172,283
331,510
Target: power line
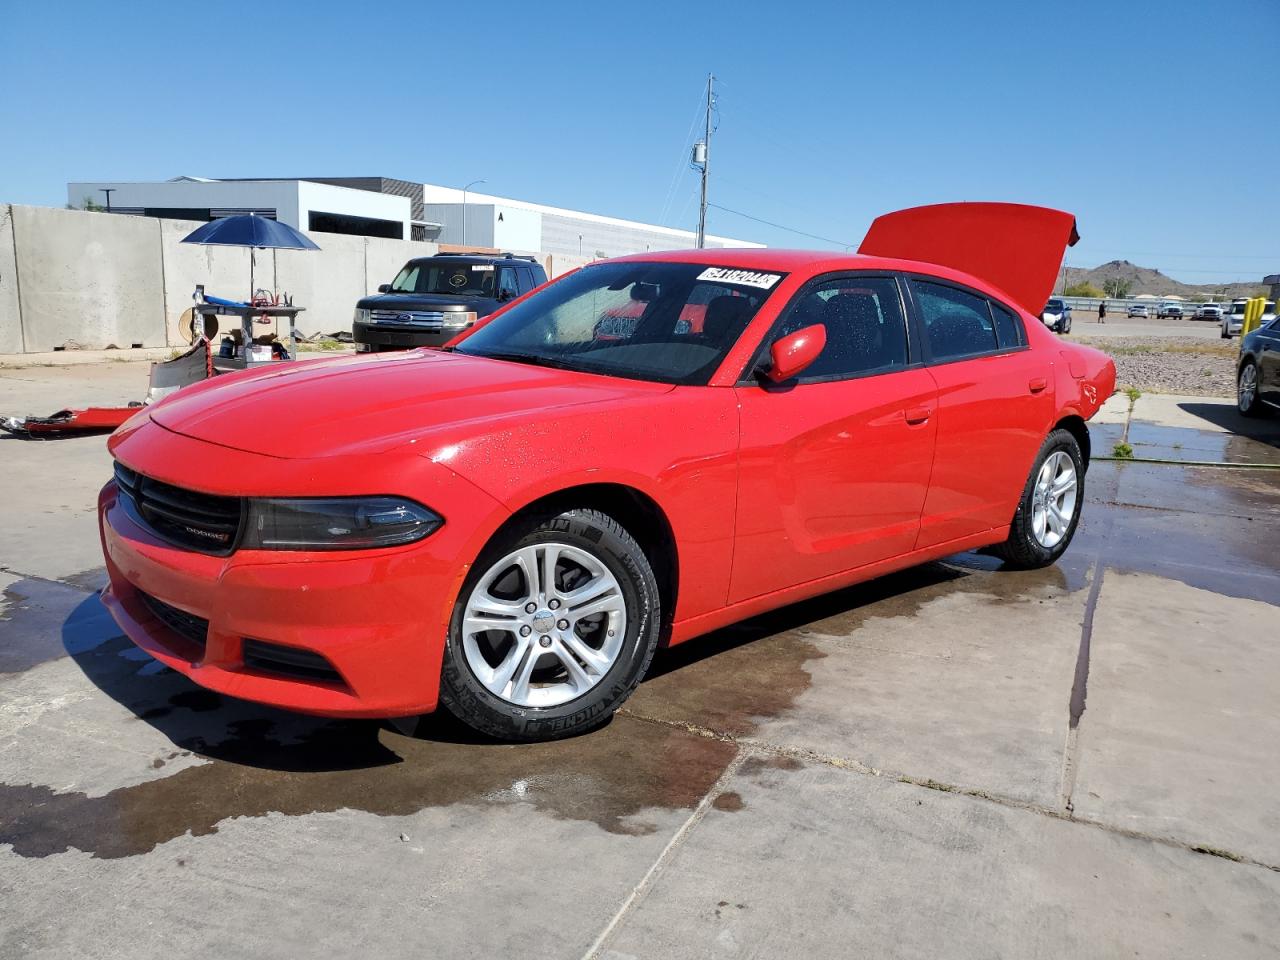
680,165
778,226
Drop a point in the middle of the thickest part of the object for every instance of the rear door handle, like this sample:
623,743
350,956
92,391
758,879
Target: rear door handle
1037,384
917,415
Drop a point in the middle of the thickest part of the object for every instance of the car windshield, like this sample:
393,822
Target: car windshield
445,277
1053,306
664,322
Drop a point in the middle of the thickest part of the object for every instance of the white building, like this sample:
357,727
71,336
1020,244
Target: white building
507,224
402,209
305,204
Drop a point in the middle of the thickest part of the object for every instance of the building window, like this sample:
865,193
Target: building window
357,226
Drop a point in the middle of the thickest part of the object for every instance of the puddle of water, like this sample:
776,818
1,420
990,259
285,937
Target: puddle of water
1180,443
1214,529
609,778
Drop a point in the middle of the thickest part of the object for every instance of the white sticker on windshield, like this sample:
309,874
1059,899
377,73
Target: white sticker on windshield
746,278
482,266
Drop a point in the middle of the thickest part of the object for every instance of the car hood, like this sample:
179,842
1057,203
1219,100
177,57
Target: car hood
370,404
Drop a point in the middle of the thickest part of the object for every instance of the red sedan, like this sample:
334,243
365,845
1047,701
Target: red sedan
510,526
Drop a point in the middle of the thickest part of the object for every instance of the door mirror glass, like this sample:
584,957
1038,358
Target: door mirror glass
790,355
384,288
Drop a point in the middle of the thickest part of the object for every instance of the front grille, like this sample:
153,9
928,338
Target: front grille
288,662
199,521
415,318
187,625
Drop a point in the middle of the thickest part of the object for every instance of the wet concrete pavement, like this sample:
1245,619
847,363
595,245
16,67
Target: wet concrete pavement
957,760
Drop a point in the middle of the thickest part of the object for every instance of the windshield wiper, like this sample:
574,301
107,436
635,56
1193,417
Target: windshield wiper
534,359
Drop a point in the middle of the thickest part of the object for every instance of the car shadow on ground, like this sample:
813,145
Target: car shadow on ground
214,726
1227,417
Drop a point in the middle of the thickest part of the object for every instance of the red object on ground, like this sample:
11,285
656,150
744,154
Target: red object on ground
771,495
89,420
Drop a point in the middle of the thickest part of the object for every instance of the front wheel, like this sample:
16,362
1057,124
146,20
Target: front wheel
1247,401
554,627
1049,510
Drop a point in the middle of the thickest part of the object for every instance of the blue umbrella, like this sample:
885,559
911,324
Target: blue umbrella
251,231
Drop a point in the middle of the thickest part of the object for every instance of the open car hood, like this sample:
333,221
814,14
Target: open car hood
1015,247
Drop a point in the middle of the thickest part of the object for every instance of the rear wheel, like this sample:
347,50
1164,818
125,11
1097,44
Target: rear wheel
1247,401
1049,510
553,629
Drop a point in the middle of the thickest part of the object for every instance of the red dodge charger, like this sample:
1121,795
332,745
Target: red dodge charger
635,454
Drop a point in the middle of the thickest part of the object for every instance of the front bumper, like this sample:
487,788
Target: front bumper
375,337
364,614
378,618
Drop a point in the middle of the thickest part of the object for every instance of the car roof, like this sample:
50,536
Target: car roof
771,259
476,258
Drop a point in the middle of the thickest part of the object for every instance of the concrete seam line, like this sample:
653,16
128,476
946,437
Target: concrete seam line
1080,687
857,766
646,882
4,568
1192,463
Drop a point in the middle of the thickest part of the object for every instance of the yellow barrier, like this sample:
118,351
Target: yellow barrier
1253,311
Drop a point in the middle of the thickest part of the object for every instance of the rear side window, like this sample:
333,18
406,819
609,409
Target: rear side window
1008,327
866,330
956,323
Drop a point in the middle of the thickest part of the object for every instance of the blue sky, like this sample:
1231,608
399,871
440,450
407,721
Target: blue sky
1155,123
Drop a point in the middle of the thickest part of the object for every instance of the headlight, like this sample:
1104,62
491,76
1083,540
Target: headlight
459,319
336,523
362,316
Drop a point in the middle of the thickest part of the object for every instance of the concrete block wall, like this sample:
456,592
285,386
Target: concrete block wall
93,280
71,277
10,329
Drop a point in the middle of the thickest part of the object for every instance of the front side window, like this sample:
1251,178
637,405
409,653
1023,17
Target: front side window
865,327
665,322
956,323
445,277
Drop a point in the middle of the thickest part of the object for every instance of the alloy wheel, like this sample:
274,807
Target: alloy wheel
1248,387
544,625
1053,499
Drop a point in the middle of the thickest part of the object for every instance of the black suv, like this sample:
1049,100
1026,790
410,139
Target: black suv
433,299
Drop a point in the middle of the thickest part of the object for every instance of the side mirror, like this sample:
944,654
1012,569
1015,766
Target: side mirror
793,354
505,295
384,288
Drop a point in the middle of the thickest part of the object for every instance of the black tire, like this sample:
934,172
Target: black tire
1022,550
609,542
1256,408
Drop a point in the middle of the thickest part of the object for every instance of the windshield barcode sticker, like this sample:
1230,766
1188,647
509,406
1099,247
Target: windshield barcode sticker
746,278
482,266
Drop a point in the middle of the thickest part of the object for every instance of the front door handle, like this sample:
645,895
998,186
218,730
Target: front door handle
917,415
1037,384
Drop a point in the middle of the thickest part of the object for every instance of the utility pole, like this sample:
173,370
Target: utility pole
702,157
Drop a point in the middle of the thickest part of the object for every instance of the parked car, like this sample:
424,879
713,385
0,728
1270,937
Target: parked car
1169,311
1137,310
1057,315
433,299
1233,318
1208,311
511,526
1258,373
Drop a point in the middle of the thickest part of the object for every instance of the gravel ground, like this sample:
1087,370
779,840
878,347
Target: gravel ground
1181,365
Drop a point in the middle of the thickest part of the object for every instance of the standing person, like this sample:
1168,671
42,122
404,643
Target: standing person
1102,311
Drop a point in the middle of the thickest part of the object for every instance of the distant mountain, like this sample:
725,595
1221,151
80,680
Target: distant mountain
1148,280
